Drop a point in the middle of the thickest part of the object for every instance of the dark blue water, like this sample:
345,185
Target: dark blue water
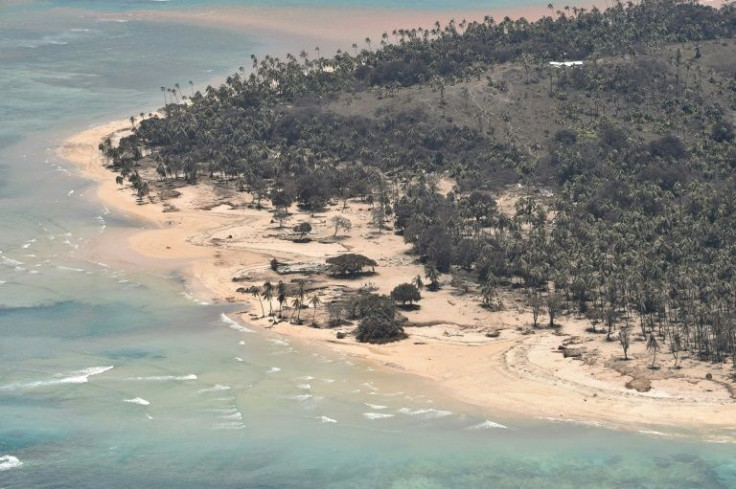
113,377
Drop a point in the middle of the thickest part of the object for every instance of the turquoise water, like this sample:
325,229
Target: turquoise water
116,378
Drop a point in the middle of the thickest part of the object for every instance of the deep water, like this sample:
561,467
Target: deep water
116,378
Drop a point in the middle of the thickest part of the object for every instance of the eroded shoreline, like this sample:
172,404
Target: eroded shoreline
210,238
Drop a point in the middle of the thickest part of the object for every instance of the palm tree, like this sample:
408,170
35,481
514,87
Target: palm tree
281,295
653,346
268,295
255,291
315,302
299,300
296,305
417,281
433,275
623,338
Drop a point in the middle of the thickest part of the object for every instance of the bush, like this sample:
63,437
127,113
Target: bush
302,229
381,324
350,264
406,293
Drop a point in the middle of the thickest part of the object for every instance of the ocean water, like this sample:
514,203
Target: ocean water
115,377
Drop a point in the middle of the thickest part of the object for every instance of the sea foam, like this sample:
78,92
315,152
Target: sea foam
235,425
75,377
300,397
137,400
425,413
234,324
487,425
8,462
163,378
215,388
378,415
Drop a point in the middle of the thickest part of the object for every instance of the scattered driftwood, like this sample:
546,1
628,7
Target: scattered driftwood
569,351
301,268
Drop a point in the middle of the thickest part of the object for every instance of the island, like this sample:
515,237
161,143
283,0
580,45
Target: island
537,216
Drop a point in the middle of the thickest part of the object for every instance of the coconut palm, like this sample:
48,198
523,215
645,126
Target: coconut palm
281,295
255,291
653,346
268,295
315,302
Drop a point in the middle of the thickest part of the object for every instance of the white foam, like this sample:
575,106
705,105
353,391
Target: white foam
235,425
236,415
215,388
300,397
374,406
238,359
425,413
149,416
487,425
325,419
75,377
137,400
596,424
223,411
163,378
8,462
273,370
278,342
329,381
241,342
121,21
307,377
10,261
71,269
378,415
234,325
305,387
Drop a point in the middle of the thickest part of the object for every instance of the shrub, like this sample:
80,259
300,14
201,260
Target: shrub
350,264
381,324
406,293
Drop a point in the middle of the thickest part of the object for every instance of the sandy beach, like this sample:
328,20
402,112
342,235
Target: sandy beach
211,236
493,360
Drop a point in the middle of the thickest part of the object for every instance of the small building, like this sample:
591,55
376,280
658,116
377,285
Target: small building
565,64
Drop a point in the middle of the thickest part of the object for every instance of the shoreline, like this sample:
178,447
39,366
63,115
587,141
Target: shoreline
519,374
295,28
210,241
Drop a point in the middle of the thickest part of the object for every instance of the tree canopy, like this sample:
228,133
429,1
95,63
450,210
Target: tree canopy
350,264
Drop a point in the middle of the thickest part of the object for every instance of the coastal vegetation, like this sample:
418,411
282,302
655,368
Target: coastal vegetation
621,169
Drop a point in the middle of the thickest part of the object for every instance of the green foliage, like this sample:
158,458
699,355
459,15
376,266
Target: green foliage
350,264
406,293
302,229
380,321
625,202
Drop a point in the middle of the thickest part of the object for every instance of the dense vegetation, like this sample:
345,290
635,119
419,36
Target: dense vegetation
625,166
